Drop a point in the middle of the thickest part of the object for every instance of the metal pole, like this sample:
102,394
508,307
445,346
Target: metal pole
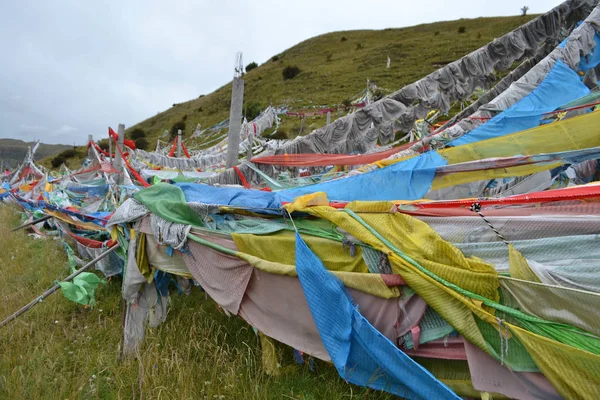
179,143
56,287
25,225
328,117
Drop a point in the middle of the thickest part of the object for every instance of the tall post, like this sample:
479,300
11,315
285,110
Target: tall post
89,143
110,151
250,140
120,141
179,143
235,121
328,117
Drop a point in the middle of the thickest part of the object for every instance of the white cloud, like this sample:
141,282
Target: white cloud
31,128
153,54
64,130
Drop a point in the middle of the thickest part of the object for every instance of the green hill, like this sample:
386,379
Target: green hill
12,151
334,67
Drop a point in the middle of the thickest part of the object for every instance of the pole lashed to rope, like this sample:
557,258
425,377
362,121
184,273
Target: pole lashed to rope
54,288
25,225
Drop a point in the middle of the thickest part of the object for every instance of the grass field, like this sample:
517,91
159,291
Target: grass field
60,350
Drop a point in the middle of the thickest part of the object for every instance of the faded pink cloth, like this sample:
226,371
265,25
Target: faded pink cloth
451,348
222,276
488,375
275,305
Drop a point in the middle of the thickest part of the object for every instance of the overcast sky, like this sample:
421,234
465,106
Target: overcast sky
71,68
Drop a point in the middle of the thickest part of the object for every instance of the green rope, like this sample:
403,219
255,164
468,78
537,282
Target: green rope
581,339
212,245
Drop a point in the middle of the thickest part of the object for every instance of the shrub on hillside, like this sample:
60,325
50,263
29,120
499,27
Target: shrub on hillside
343,39
328,56
290,72
275,58
462,29
359,46
378,94
141,143
251,110
57,161
279,135
251,66
346,103
177,126
70,153
103,144
62,157
138,133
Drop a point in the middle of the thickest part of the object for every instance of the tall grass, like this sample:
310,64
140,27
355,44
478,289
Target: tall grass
60,350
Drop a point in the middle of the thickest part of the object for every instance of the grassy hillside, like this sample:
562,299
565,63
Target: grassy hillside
12,151
333,68
336,66
61,350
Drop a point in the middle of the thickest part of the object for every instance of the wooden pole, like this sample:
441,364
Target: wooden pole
25,225
54,288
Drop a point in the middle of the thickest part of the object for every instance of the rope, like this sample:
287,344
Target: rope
133,171
569,334
503,340
476,207
173,148
242,177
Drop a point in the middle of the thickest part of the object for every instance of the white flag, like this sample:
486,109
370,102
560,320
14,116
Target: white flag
389,61
35,148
